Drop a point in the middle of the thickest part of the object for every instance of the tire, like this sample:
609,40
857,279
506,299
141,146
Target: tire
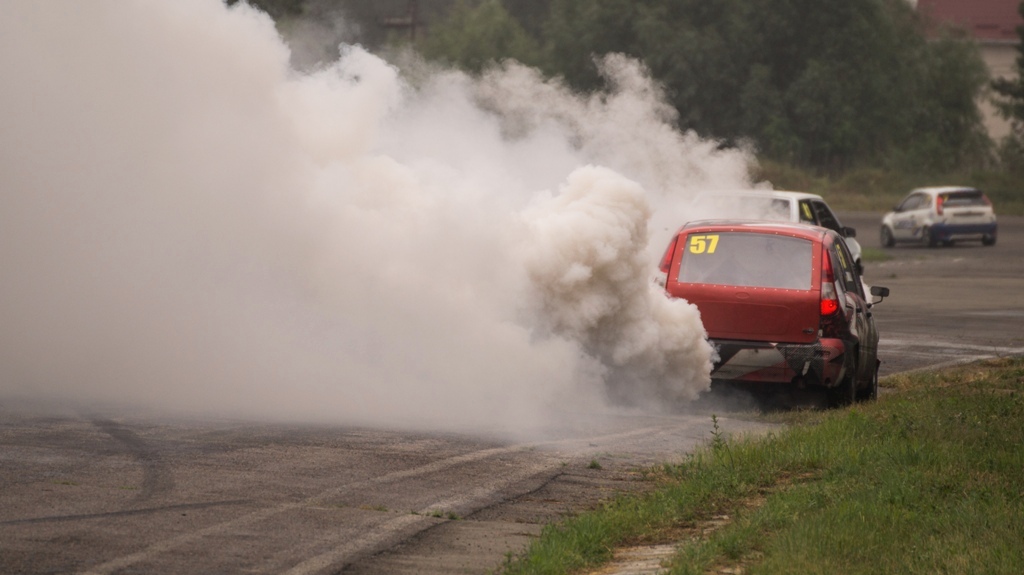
869,393
886,237
988,240
845,393
928,238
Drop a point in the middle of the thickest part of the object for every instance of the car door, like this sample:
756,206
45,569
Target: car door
826,219
858,313
909,216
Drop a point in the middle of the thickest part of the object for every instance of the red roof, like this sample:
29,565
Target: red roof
985,20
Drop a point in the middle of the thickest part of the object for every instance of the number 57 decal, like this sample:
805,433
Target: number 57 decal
703,244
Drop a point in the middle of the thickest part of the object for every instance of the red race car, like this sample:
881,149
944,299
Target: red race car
782,304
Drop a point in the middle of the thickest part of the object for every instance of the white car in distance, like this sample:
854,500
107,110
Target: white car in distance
937,216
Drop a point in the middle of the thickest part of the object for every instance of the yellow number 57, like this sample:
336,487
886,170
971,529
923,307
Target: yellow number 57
703,244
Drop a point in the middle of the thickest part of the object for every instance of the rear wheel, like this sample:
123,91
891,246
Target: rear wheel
988,240
844,393
929,238
886,237
869,393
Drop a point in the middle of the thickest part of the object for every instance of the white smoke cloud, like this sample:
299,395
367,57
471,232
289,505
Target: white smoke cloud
192,224
588,265
629,128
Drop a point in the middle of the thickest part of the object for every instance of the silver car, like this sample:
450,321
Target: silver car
940,216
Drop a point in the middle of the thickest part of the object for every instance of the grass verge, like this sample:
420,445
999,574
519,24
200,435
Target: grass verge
878,190
874,255
929,479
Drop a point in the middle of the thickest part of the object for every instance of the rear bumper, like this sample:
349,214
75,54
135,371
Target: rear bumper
946,231
820,363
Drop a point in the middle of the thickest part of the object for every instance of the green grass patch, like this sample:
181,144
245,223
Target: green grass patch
450,515
929,479
874,255
878,190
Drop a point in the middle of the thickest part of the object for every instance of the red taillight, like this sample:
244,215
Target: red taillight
666,260
829,299
829,306
938,204
985,199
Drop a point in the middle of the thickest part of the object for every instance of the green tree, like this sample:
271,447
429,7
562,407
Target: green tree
827,85
1009,92
944,130
474,36
578,31
703,51
531,14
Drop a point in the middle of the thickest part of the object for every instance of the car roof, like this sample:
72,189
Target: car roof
806,231
781,194
935,190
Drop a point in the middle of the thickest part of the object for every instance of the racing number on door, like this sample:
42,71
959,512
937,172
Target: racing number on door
703,244
806,207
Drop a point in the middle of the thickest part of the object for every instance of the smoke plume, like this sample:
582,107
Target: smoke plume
191,223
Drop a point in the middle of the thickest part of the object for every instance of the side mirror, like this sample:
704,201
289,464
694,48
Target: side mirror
849,232
880,293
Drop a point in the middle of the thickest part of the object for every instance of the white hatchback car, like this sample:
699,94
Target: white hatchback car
775,205
940,215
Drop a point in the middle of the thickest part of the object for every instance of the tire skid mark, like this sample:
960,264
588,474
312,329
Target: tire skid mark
386,531
345,551
156,477
127,512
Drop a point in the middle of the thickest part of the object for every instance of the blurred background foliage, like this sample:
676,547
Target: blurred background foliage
843,98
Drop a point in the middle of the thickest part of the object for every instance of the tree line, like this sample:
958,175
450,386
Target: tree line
827,86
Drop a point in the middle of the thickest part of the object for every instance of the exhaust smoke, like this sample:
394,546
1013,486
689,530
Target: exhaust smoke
192,224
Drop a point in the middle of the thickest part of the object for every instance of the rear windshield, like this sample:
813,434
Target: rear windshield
964,199
747,259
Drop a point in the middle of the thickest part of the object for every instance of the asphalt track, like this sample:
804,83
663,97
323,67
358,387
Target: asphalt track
131,493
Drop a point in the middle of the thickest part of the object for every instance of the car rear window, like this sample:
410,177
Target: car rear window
747,259
964,199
